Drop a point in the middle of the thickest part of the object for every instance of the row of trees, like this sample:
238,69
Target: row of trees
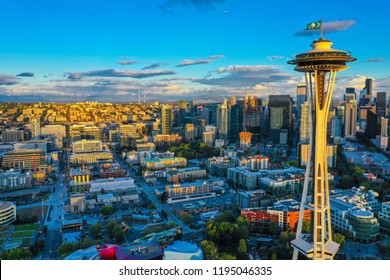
227,234
194,150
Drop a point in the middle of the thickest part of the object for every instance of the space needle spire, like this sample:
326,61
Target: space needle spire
320,65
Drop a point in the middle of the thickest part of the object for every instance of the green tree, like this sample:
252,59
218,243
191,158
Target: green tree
96,230
186,218
242,249
17,254
65,249
338,238
274,256
226,256
117,233
210,250
274,228
306,226
346,182
107,210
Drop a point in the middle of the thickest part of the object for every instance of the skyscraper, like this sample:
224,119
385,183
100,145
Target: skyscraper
190,132
182,112
368,87
381,104
304,128
320,66
349,94
166,119
236,120
251,114
350,116
280,110
301,98
35,123
223,120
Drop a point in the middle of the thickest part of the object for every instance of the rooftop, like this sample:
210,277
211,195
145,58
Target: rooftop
5,205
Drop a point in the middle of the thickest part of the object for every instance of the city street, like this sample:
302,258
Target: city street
55,216
149,192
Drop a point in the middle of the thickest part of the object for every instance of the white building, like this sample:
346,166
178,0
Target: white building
112,185
7,213
384,216
353,211
87,146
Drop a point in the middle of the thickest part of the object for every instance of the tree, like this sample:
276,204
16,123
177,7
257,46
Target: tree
274,256
306,227
274,228
17,254
164,197
226,256
338,238
242,250
96,230
346,182
65,249
117,233
210,250
186,218
107,210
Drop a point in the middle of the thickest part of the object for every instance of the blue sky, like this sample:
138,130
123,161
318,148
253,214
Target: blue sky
178,49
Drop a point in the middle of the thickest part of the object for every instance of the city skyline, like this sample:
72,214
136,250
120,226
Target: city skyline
187,49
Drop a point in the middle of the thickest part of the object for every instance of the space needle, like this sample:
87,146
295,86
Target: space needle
320,65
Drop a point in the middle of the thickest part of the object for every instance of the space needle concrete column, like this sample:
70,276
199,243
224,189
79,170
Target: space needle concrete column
320,65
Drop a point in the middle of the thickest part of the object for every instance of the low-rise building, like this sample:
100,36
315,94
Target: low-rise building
78,203
80,178
353,211
162,163
288,212
90,158
384,216
7,213
15,179
250,199
111,170
112,185
185,174
87,146
259,215
191,191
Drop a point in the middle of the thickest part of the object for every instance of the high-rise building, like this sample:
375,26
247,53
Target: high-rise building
301,98
236,120
335,127
233,100
368,87
280,109
304,128
223,120
381,104
35,123
349,94
209,135
350,116
245,140
166,119
190,132
251,117
366,93
182,112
